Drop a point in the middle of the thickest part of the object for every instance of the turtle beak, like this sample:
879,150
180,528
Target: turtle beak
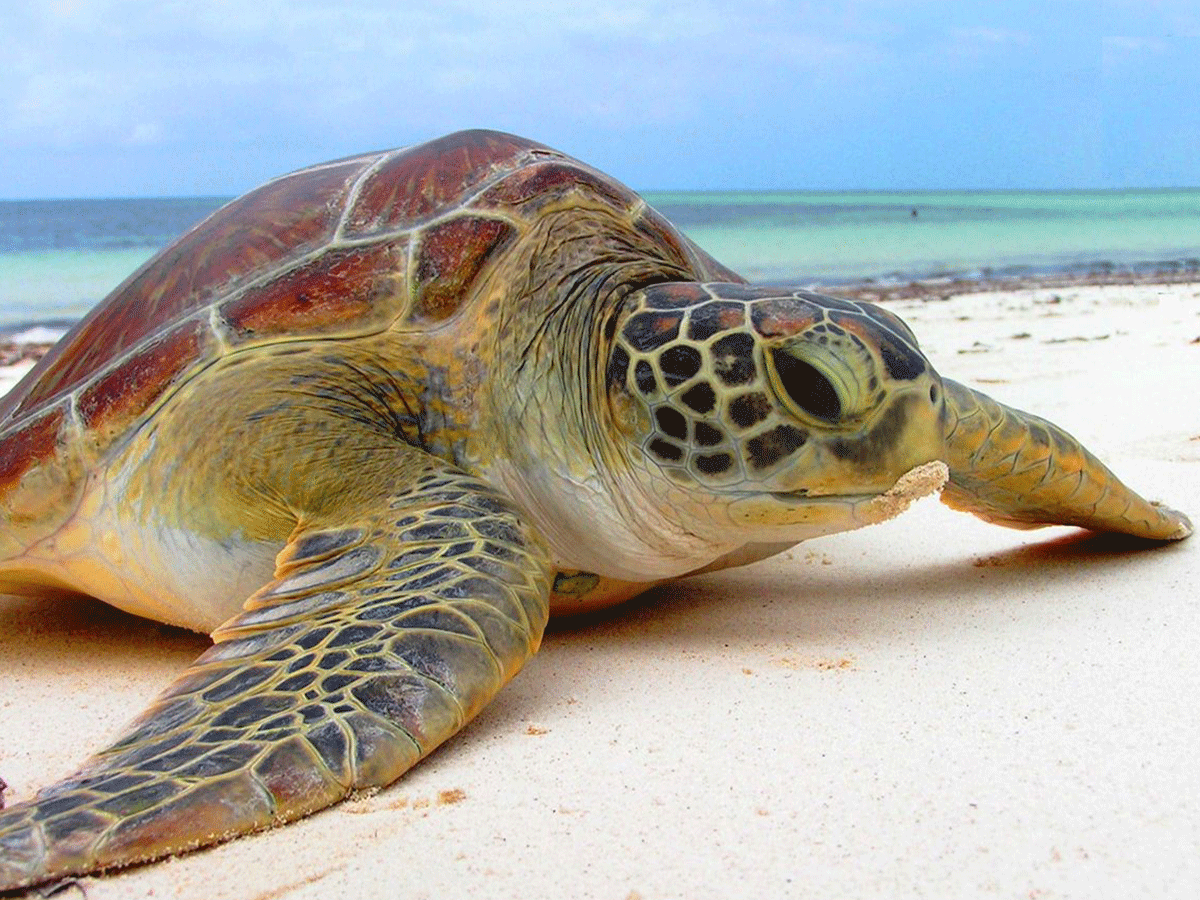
1015,469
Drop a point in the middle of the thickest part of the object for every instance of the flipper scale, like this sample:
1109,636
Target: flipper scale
356,661
1016,469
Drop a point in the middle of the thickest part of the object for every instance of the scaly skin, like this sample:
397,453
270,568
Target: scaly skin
546,398
385,630
1015,469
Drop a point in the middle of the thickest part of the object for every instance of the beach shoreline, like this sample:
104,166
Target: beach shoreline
881,290
23,341
932,705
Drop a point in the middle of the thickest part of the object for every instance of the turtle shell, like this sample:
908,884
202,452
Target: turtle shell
340,249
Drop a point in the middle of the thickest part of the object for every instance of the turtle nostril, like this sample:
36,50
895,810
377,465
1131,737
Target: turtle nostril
807,387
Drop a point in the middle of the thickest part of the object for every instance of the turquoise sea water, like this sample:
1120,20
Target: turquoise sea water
58,258
837,237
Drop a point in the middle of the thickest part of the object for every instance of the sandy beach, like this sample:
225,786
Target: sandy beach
934,706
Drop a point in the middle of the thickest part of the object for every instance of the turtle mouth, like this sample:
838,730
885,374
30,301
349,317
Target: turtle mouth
796,515
919,481
804,498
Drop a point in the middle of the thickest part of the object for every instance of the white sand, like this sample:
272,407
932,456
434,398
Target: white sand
931,707
10,375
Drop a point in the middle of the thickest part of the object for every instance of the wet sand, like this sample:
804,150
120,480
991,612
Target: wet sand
934,706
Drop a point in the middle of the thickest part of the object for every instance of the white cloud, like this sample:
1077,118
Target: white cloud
644,87
96,70
145,133
981,36
1122,50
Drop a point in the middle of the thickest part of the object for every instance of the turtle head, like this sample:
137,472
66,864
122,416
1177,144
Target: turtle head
762,414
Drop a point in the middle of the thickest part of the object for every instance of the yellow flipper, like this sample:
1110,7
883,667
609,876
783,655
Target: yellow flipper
378,639
1015,469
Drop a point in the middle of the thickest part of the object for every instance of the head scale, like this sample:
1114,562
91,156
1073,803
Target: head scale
765,409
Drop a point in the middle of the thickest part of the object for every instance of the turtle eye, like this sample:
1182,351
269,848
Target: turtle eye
806,387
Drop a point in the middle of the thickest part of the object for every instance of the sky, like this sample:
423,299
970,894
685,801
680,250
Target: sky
116,98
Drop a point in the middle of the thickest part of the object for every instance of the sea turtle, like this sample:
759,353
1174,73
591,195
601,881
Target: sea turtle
372,422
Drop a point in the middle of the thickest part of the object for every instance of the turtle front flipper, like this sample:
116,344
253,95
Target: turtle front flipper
378,639
1015,469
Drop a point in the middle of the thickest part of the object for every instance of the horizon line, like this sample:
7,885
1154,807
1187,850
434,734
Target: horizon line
693,190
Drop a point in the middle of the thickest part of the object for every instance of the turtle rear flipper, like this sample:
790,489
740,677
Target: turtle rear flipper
379,638
1015,469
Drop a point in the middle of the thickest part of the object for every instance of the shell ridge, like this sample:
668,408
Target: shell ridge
272,275
330,164
352,196
70,399
468,203
77,420
220,330
198,315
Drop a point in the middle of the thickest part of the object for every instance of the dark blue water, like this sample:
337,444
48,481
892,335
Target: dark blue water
31,225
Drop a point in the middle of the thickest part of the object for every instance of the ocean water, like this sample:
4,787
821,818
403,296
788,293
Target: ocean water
831,238
58,258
